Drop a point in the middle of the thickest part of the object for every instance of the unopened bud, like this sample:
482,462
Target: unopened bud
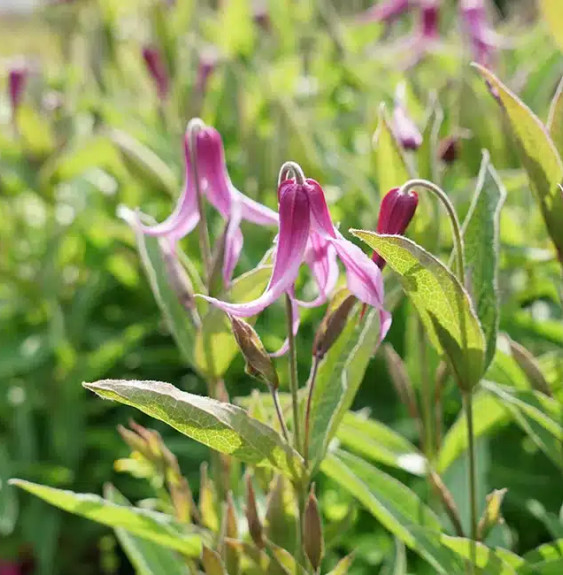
258,362
212,563
395,213
157,69
313,541
333,322
491,514
178,278
405,130
448,149
252,517
17,79
206,67
429,19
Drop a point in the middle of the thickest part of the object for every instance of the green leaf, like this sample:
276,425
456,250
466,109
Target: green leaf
489,562
492,415
442,303
555,118
147,557
552,11
8,498
221,426
539,156
151,525
391,166
339,376
376,441
539,416
398,562
545,552
481,244
215,345
395,506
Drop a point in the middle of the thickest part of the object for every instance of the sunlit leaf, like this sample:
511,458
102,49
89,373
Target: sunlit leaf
442,303
555,118
488,562
157,527
221,426
8,498
552,11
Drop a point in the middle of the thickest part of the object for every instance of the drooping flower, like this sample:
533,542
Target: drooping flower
404,128
17,80
215,184
307,235
157,69
395,213
483,39
429,20
386,11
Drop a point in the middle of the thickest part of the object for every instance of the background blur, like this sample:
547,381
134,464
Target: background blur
297,80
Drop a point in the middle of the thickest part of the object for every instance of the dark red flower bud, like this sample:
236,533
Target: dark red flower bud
429,19
17,79
157,69
448,149
395,213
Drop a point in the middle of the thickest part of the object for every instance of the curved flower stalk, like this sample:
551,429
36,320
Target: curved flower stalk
482,37
307,235
215,184
404,128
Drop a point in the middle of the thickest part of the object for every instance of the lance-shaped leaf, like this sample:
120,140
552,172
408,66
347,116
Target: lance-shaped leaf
539,416
221,426
487,560
395,506
481,243
339,376
147,557
157,527
555,118
539,157
442,303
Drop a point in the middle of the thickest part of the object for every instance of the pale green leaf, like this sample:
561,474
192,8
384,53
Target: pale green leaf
555,118
552,11
442,303
339,376
343,566
221,426
490,416
378,442
157,527
481,244
147,557
395,506
488,562
538,155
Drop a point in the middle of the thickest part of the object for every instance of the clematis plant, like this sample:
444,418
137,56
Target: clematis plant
483,39
404,128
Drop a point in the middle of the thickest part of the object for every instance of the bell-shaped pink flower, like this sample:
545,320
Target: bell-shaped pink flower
157,69
404,128
386,11
307,235
17,80
217,187
484,40
395,213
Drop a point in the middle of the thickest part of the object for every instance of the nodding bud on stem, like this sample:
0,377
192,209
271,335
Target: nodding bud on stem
258,362
157,69
333,322
395,213
252,517
17,79
448,149
404,128
313,541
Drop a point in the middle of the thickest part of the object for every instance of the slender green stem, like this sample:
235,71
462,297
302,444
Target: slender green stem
456,228
293,378
427,394
468,406
279,412
194,127
314,371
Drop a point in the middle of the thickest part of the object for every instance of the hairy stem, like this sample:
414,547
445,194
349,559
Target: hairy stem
468,406
293,378
279,412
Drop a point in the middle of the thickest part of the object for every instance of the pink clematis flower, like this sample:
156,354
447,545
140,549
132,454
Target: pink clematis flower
217,187
157,69
484,40
307,235
404,128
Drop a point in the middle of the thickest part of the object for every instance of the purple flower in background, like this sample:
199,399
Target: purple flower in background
260,14
217,187
307,235
484,40
404,128
386,11
17,80
429,20
206,67
157,69
395,213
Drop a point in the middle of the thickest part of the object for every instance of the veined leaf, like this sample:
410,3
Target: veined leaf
147,557
395,506
151,525
442,303
376,441
488,562
481,240
538,154
221,426
555,118
539,416
552,11
492,415
339,376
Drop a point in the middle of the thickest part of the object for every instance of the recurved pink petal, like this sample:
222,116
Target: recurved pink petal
257,213
321,222
233,242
